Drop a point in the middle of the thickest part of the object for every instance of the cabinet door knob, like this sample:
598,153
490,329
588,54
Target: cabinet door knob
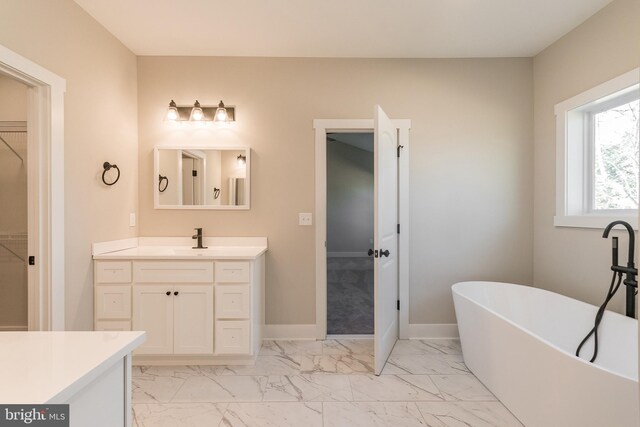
168,293
176,293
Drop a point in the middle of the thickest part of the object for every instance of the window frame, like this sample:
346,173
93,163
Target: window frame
575,154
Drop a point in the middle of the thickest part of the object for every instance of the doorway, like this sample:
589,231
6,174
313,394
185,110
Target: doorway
45,189
14,217
350,225
391,205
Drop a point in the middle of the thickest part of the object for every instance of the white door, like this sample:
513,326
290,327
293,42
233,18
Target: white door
193,319
385,237
153,312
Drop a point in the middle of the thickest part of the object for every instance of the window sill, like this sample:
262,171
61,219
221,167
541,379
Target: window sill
594,221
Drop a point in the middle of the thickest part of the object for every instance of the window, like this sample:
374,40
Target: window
597,158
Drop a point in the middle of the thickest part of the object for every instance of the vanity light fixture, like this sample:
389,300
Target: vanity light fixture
221,113
198,113
242,160
172,112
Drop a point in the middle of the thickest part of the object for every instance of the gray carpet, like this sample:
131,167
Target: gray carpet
349,296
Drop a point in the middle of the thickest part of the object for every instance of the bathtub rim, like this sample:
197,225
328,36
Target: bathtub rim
543,340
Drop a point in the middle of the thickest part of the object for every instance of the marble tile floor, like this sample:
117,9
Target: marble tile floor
321,383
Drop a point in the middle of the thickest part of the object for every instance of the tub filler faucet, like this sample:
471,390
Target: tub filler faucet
198,237
630,271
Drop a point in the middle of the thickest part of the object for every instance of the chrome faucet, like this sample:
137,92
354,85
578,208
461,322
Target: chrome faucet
198,236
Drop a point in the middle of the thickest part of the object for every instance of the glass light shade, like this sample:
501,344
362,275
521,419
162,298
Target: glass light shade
242,160
221,113
196,112
172,112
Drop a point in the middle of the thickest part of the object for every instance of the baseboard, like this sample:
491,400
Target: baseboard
308,332
13,328
347,255
289,332
427,330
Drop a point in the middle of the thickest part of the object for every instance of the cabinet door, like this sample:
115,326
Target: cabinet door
233,301
232,337
153,313
193,319
113,302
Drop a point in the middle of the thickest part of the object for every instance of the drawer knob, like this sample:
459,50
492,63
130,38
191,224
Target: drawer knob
168,293
176,293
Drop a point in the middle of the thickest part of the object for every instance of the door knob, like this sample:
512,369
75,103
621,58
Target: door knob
384,253
168,293
370,252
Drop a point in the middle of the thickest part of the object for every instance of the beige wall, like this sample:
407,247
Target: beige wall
100,125
574,261
13,100
349,198
471,162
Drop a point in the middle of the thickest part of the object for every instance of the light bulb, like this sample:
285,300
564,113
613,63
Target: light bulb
172,112
221,113
196,112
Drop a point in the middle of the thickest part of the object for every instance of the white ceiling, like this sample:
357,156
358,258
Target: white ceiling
341,28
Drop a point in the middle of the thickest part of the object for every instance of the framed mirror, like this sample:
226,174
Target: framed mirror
202,177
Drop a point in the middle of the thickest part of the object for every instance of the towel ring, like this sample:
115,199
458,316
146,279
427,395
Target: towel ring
160,179
107,166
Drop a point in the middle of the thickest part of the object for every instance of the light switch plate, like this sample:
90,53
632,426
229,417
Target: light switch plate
132,220
305,219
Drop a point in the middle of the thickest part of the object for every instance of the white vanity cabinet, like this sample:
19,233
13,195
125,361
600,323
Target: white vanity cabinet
194,311
112,296
178,318
173,302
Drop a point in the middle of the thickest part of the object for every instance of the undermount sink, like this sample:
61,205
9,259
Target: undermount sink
196,252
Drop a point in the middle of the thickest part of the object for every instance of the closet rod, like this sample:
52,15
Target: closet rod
11,148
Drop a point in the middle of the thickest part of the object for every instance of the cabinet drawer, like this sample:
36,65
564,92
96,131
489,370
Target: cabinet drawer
173,272
232,301
113,325
113,302
113,271
233,272
232,337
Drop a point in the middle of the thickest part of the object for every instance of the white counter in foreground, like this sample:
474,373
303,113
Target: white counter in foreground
91,371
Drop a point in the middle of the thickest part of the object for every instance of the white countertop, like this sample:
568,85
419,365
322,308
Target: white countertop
49,367
181,248
185,252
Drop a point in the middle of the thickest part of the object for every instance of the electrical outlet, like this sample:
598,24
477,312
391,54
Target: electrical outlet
305,219
132,220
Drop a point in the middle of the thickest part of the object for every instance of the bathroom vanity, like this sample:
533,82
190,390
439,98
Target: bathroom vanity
198,306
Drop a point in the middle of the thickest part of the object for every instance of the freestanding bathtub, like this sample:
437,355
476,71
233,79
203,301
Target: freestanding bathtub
521,341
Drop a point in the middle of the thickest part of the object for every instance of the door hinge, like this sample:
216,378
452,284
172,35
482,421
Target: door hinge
32,260
398,228
398,304
399,148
